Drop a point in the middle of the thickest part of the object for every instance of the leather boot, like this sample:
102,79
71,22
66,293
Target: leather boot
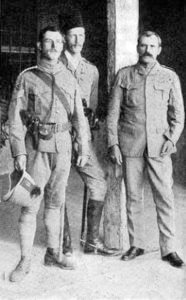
93,244
21,270
67,242
51,259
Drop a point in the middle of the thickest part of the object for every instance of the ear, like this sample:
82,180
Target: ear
137,48
39,46
159,50
65,38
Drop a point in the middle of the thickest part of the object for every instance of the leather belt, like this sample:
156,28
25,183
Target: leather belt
62,127
56,127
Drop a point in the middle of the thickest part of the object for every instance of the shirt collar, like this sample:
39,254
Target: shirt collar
146,70
48,67
73,60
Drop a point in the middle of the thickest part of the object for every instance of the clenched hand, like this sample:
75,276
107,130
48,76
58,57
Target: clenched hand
20,162
82,160
115,155
167,148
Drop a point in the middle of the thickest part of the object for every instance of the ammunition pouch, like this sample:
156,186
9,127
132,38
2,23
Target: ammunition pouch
39,130
47,130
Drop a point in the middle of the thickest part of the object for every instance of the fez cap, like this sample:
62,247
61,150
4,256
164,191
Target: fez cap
70,19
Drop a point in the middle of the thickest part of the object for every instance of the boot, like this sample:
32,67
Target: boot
93,244
51,259
21,270
67,242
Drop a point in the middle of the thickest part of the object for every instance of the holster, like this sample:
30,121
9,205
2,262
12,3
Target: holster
45,131
35,134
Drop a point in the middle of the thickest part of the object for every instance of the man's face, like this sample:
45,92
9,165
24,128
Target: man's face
51,45
75,39
148,49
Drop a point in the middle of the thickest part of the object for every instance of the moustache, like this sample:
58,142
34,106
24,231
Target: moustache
147,54
77,45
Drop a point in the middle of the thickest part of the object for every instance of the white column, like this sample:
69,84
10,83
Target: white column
123,18
127,16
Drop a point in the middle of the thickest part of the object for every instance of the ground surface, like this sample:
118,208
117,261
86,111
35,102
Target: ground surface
96,277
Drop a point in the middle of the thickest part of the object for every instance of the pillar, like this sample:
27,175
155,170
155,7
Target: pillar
122,16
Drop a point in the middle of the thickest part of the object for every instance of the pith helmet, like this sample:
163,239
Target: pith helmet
22,189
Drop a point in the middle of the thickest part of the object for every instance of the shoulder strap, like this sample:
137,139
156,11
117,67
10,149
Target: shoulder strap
61,96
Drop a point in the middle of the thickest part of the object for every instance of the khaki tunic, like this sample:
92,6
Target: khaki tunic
148,109
87,77
32,94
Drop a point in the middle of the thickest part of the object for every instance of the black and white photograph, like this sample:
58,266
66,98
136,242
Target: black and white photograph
92,150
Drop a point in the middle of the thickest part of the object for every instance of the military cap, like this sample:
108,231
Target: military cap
70,19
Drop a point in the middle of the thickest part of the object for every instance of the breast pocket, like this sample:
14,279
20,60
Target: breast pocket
161,92
132,95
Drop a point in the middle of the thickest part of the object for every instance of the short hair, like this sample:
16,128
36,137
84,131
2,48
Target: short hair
48,28
149,33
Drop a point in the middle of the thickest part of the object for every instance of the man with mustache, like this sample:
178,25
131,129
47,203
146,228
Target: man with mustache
50,94
147,104
92,173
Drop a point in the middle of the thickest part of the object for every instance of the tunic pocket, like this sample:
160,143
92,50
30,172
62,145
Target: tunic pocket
161,92
132,96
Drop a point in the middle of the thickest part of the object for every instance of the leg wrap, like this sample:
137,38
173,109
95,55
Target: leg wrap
27,228
52,224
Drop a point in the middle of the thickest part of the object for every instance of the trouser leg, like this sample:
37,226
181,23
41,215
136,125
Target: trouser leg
55,193
37,168
160,176
27,220
133,170
93,177
27,229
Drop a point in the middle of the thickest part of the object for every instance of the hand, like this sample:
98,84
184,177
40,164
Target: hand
115,155
167,148
94,123
20,162
82,160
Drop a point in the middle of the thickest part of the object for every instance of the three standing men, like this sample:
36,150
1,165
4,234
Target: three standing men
147,104
87,77
50,93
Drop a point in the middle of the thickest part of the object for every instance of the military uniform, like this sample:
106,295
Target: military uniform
49,164
92,174
87,77
145,110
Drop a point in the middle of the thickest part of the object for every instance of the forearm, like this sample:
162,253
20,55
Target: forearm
79,123
176,115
